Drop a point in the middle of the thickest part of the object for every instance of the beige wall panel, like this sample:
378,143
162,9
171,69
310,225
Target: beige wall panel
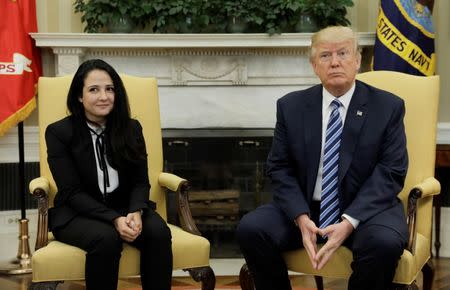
363,15
75,18
52,15
41,15
65,16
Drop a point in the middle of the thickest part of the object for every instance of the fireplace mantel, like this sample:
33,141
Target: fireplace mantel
192,59
135,40
205,80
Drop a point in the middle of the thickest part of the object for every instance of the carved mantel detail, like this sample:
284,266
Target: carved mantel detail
209,70
193,59
67,59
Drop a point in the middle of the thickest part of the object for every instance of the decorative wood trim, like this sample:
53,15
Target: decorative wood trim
411,211
42,230
205,275
443,155
183,51
245,278
187,221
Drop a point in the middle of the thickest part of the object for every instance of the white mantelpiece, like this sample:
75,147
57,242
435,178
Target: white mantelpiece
205,80
135,40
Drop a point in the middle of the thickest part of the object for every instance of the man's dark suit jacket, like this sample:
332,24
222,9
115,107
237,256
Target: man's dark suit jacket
373,157
72,162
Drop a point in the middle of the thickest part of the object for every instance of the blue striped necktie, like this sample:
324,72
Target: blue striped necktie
329,204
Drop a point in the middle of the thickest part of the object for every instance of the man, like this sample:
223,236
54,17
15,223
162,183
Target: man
338,161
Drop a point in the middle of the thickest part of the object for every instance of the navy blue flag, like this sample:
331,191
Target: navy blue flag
405,38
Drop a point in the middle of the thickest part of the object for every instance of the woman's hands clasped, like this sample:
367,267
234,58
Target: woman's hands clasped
129,227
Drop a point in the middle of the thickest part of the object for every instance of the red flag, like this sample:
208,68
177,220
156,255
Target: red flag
20,62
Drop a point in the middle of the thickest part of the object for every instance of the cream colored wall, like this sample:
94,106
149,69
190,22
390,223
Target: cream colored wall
363,15
442,25
58,16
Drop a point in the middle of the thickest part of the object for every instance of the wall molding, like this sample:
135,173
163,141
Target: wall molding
9,143
443,133
9,148
9,221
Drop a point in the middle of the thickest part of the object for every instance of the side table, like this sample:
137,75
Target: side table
442,161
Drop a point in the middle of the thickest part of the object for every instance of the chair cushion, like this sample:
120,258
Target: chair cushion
61,262
339,266
410,265
189,251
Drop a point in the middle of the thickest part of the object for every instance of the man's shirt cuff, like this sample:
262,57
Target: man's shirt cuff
351,220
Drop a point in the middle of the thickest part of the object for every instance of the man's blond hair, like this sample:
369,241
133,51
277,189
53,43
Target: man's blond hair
333,34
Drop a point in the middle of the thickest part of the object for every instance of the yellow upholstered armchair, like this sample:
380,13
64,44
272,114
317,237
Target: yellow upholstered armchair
53,261
421,95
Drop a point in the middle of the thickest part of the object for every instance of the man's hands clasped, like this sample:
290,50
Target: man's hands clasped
129,227
336,235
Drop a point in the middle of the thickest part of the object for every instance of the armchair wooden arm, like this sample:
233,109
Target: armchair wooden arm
427,188
181,187
170,181
39,188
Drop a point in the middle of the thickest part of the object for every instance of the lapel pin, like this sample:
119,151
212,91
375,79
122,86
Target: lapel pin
359,113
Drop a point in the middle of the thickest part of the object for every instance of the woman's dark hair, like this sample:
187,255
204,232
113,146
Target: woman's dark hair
123,146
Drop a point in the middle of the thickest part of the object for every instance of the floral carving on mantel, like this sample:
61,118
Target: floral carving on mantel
226,70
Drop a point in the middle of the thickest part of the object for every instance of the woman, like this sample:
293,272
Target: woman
98,159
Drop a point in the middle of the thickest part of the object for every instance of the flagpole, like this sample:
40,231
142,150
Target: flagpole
22,263
21,170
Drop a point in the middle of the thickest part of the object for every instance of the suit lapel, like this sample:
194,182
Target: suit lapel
356,115
313,137
86,156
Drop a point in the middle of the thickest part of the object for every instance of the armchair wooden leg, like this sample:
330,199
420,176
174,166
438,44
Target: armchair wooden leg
246,279
428,275
319,282
204,275
51,285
